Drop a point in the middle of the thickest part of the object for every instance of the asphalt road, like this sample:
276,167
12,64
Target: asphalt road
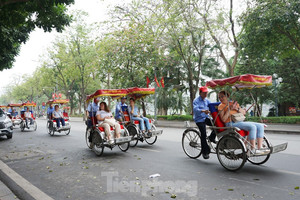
64,168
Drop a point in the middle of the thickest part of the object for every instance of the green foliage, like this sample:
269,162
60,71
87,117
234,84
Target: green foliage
270,45
271,28
285,120
18,19
174,117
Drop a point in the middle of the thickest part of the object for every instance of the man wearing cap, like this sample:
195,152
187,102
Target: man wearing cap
200,115
118,111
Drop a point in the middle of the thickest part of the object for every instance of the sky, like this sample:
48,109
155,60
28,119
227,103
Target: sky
39,41
33,50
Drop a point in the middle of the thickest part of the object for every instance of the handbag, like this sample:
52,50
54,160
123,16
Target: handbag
238,117
111,122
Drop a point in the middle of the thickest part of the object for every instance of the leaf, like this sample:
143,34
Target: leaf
173,196
297,188
230,189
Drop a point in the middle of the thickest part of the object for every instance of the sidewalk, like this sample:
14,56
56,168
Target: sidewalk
5,193
272,128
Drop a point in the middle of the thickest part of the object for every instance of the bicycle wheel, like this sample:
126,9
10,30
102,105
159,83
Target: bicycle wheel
34,125
191,143
133,133
22,126
258,160
97,144
67,132
49,127
151,140
88,139
125,146
231,153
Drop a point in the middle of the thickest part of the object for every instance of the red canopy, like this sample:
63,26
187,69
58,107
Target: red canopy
14,105
58,101
28,103
248,81
114,93
138,93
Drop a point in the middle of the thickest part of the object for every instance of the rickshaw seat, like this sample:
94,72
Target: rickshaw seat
126,116
65,114
111,128
213,108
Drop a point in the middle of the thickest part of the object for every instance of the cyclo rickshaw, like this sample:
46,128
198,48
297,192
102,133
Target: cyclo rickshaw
95,136
52,124
15,118
133,125
30,126
232,146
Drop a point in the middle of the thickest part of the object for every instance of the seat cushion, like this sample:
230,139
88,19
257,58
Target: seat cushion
111,128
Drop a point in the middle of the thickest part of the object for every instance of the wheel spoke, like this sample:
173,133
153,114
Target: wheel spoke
191,143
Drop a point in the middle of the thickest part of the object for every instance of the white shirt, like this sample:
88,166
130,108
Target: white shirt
27,114
58,114
103,114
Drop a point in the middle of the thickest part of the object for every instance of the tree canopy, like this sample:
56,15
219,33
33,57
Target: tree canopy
18,18
187,42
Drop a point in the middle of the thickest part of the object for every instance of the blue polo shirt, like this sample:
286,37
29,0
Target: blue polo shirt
118,108
198,105
92,109
50,110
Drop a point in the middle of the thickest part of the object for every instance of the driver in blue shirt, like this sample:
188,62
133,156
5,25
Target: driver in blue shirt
118,111
50,111
91,111
201,117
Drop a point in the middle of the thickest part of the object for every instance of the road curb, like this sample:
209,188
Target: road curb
22,188
266,130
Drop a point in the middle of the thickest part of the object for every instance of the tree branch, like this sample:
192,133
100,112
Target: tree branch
4,3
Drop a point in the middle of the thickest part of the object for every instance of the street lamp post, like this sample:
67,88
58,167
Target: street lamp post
277,81
155,96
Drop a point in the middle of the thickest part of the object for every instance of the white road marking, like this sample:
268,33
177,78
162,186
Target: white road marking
147,149
288,172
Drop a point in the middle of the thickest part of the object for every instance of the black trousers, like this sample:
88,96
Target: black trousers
202,128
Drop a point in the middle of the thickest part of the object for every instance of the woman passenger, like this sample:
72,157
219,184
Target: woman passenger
105,120
134,114
256,130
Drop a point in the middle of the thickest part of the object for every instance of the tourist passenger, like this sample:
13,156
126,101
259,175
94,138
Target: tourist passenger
256,130
135,115
58,116
106,120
